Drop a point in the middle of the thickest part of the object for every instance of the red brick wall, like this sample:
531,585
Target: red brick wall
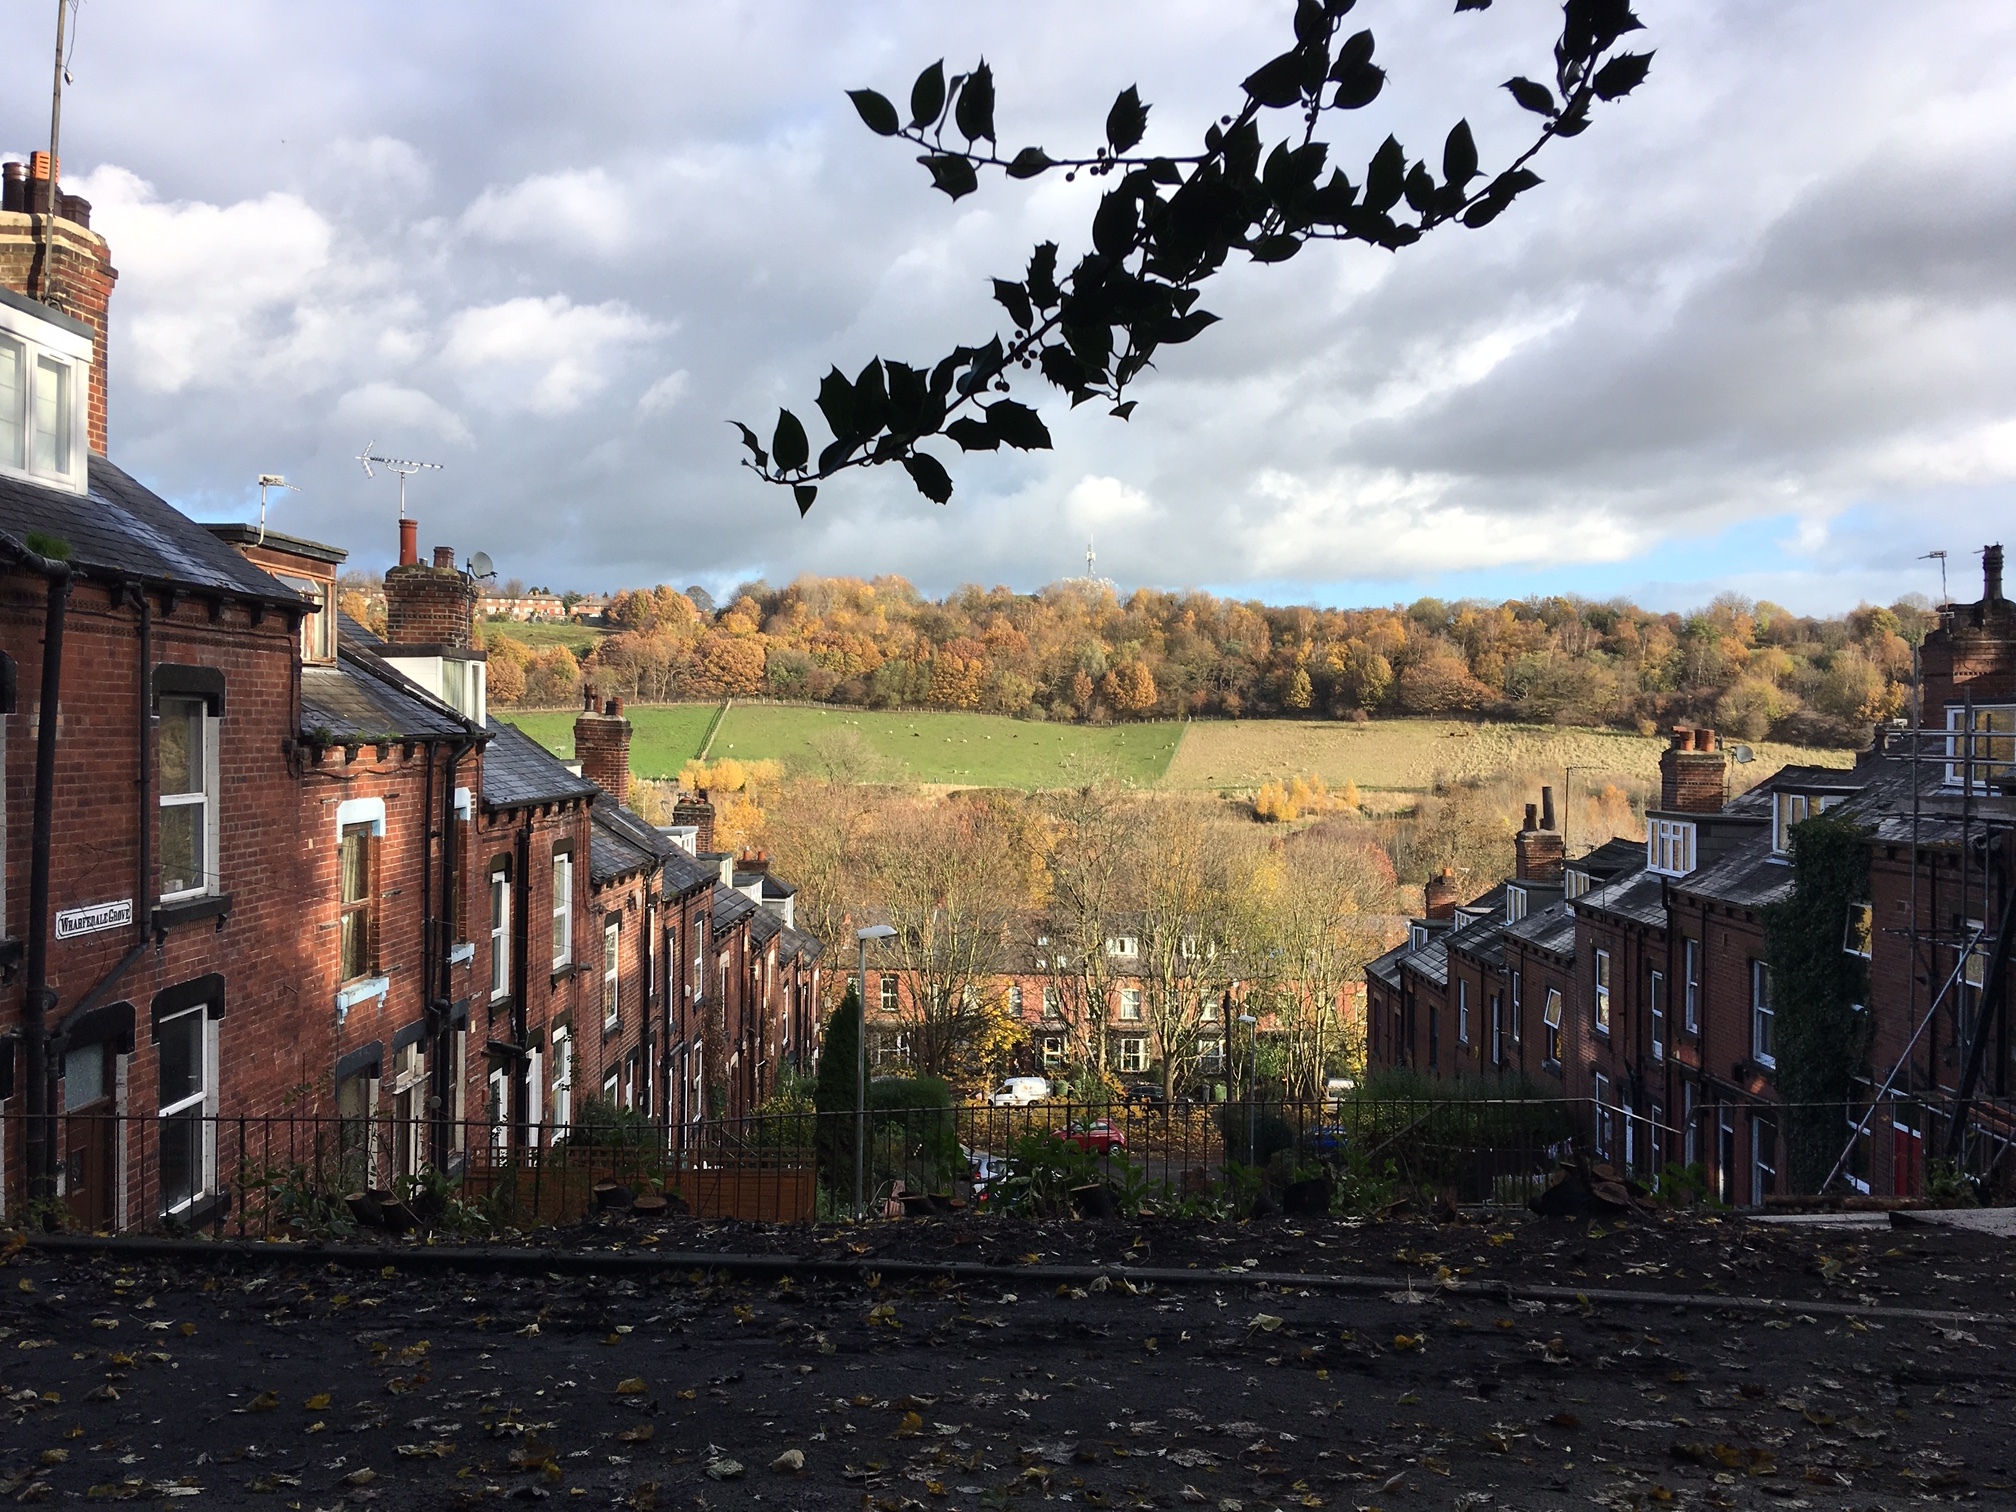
602,745
81,276
429,606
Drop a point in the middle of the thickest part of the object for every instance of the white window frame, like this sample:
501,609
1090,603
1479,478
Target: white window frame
563,909
1788,809
1123,946
1669,847
888,993
612,971
500,932
1763,1016
1574,883
1690,989
1462,1011
206,797
1655,1011
1600,1007
1133,1057
1550,1020
1993,746
1015,999
1050,1047
1518,1003
33,342
201,1105
318,627
1053,1003
1515,904
1603,1130
1130,1005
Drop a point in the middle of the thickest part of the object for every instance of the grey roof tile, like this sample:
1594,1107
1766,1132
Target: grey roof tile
359,699
517,770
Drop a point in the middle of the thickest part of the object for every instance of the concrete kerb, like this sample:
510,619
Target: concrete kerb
525,1261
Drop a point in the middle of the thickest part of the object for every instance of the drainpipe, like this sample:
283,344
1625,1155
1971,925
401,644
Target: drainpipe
521,947
39,1144
443,1003
143,877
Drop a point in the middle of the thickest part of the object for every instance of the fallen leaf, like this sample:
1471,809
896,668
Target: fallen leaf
790,1462
362,1477
266,1401
724,1469
318,1402
634,1386
641,1434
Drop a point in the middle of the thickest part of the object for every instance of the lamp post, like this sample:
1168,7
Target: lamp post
861,938
1252,1085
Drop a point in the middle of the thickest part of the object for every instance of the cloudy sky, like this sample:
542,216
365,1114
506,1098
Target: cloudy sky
1754,333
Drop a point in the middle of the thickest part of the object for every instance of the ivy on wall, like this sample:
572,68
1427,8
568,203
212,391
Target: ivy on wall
1816,983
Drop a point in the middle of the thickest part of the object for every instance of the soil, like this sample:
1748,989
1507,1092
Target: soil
274,1377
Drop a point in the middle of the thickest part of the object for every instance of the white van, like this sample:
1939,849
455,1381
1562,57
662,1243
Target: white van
1019,1092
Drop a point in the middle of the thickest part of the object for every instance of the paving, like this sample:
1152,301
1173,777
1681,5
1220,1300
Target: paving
1495,1363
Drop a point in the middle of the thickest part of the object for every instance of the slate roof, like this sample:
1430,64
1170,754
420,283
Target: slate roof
730,908
1747,875
765,927
622,843
686,873
1551,929
1482,941
1610,858
517,770
798,945
351,630
120,529
1431,961
360,699
1387,966
1639,896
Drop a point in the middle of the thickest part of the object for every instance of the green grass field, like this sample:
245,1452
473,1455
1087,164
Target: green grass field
991,750
665,736
976,750
576,638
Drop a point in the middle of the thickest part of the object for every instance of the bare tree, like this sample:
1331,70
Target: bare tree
1087,853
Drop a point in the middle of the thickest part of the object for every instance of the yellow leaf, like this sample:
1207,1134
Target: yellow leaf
641,1434
266,1401
634,1386
188,1330
55,1456
912,1423
318,1402
687,1395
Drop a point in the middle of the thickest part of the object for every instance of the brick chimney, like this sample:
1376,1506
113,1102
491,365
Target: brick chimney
1972,655
1693,773
1539,850
429,606
602,746
1441,894
78,276
694,809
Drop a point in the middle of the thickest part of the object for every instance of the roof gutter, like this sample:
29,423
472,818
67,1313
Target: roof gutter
39,1153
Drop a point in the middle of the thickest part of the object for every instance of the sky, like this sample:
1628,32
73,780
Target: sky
1752,335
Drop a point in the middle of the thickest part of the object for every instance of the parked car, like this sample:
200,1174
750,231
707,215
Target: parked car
1101,1136
1144,1095
984,1170
1336,1088
1019,1092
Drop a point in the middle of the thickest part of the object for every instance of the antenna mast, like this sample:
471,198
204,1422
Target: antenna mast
270,481
1940,557
1091,559
405,467
48,236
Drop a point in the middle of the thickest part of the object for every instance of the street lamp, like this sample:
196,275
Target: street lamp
861,938
1252,1086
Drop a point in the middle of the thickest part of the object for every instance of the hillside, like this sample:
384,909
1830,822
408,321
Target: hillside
1078,653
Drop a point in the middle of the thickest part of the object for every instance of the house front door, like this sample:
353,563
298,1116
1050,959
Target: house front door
90,1136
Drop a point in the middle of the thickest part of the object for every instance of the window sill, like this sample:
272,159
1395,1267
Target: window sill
362,990
202,1213
462,954
561,973
182,911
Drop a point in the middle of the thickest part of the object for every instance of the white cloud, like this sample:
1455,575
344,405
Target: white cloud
665,394
388,409
1105,503
579,210
546,355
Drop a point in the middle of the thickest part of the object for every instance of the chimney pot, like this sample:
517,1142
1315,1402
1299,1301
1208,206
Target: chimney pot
444,556
38,166
1991,573
1704,740
1547,808
409,542
1532,817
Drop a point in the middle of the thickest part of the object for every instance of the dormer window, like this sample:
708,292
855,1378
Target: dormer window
1982,753
1515,904
1669,847
1123,946
1789,809
318,625
1574,883
1417,936
44,375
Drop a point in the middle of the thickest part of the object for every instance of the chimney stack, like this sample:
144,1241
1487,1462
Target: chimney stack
76,276
1539,851
429,606
1991,573
1693,774
602,746
1441,894
694,809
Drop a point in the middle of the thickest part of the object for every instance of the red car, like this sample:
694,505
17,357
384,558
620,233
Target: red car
1100,1137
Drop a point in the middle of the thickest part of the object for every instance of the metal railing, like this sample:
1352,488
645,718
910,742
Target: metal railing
305,1175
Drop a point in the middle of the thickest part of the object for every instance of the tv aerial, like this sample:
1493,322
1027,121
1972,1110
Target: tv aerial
267,482
405,467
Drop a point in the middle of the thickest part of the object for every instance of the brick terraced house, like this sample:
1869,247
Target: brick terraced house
1640,982
264,869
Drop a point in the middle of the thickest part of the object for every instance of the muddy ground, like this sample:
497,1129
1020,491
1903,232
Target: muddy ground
281,1380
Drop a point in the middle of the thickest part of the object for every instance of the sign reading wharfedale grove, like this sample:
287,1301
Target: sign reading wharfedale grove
72,922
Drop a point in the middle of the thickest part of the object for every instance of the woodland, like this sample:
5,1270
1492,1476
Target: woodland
1079,650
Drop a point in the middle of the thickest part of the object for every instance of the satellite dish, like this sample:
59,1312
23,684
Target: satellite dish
481,566
1744,755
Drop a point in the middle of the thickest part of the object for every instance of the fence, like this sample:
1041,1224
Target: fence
302,1174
